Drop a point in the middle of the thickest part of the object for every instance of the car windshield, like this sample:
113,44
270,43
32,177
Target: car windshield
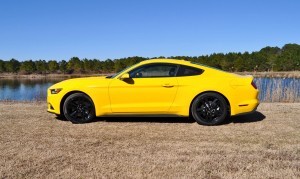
116,74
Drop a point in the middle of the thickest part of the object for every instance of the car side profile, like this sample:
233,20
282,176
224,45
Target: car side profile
160,87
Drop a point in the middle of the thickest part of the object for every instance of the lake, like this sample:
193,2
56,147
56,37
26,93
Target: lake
271,89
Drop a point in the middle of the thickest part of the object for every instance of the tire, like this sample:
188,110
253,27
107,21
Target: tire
209,109
79,108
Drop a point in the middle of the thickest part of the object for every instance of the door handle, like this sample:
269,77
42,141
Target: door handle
168,85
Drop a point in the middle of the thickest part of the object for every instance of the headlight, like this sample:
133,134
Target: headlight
55,91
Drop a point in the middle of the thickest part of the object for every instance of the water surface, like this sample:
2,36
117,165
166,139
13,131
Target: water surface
25,89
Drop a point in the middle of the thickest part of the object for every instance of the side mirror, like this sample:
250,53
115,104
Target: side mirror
124,76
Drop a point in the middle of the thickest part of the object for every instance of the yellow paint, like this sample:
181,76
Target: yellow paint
163,95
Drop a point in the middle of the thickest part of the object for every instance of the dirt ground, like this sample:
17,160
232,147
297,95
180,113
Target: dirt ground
34,144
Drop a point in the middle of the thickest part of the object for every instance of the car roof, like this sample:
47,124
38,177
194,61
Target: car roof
165,61
180,62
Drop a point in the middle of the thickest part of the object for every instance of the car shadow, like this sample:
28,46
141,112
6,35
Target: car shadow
60,118
147,119
255,116
245,118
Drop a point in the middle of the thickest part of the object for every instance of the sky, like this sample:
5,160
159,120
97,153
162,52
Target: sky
102,29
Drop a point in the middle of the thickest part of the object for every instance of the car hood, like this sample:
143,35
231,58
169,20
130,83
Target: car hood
82,82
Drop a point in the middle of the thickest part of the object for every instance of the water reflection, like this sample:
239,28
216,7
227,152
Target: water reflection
25,89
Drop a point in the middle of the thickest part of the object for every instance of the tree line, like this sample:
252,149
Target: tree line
286,58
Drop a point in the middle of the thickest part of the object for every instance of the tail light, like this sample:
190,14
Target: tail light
254,85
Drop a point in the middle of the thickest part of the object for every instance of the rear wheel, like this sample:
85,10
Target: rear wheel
79,108
209,109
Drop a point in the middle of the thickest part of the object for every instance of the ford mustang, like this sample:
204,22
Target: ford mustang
160,87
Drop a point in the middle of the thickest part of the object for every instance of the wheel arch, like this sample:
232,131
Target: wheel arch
67,95
211,91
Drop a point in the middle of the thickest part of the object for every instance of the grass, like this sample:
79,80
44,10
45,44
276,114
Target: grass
34,144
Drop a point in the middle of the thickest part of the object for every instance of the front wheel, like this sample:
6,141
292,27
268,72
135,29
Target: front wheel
79,108
209,109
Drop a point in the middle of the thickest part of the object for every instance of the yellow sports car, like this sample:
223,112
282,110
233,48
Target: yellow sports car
156,87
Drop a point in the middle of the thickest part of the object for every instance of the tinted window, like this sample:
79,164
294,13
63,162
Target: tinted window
188,71
154,70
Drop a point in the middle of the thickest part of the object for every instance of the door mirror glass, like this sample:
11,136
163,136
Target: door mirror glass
124,76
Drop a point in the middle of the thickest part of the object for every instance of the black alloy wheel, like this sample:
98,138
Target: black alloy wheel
79,108
209,109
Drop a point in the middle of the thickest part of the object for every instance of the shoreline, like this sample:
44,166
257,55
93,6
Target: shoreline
272,74
47,76
266,74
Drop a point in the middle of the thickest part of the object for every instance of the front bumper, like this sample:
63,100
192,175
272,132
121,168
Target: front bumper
53,102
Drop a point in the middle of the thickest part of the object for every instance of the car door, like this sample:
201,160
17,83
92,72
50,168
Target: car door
151,88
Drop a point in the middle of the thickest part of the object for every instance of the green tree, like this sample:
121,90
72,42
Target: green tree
97,65
28,67
41,66
266,58
2,66
269,58
108,66
75,65
290,57
88,65
119,65
133,60
240,64
12,66
63,66
53,66
227,62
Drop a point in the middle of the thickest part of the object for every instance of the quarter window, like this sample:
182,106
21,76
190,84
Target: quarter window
188,71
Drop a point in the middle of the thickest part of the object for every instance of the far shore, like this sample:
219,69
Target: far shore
268,74
272,74
48,76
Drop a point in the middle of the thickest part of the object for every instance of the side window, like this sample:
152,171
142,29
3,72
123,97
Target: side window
154,70
188,71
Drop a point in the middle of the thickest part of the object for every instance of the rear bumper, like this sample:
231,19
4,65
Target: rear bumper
246,107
